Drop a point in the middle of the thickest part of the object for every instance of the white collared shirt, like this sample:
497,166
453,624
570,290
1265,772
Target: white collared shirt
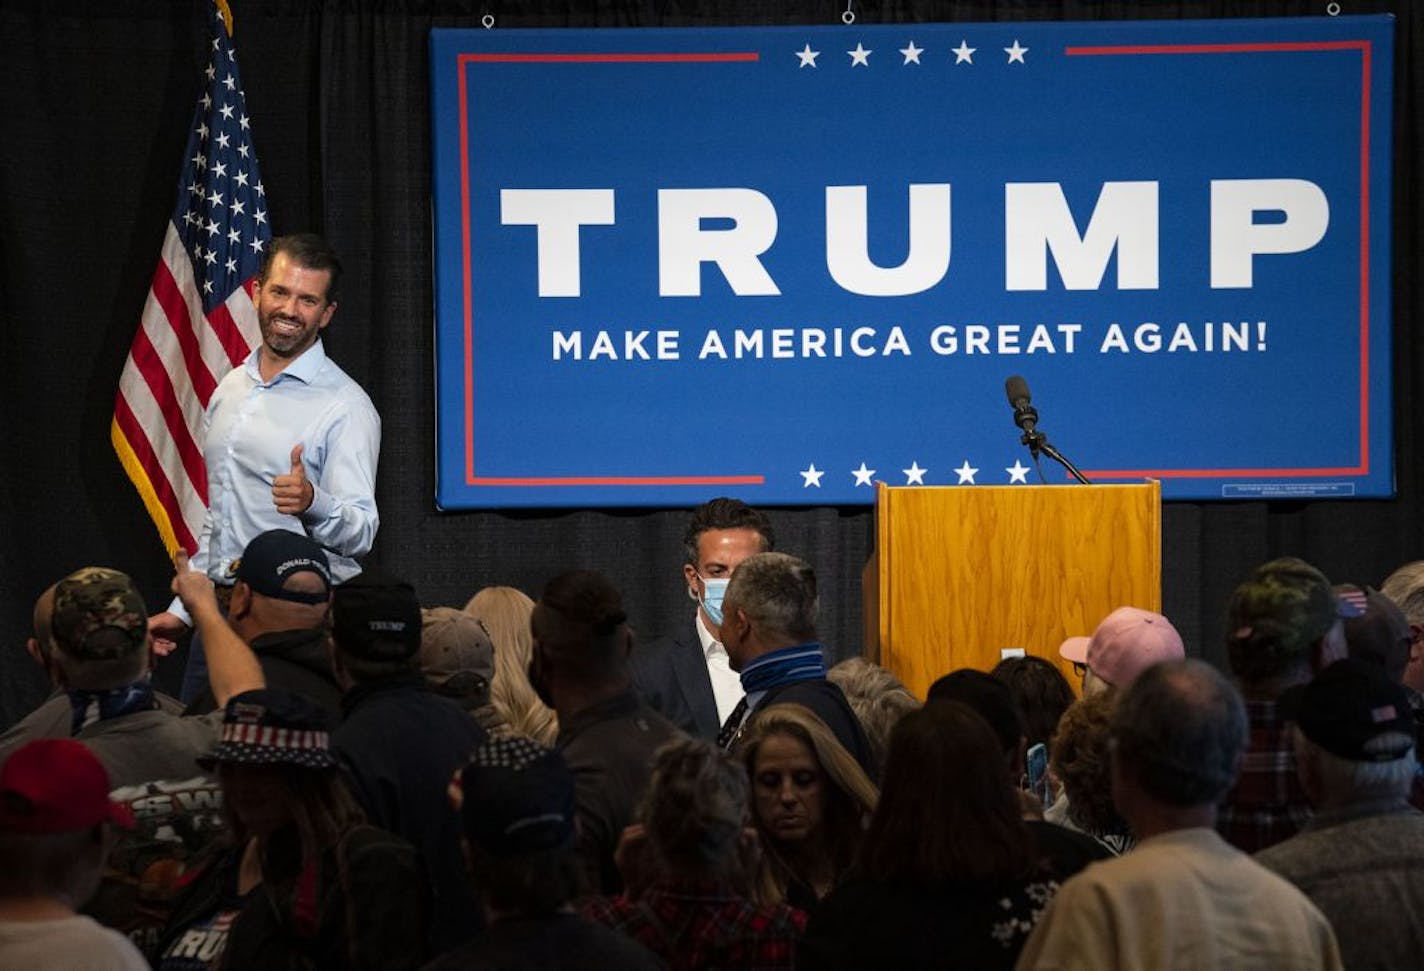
726,683
249,430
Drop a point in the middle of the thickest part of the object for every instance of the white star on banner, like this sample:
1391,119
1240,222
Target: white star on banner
1016,53
859,56
808,56
966,474
964,54
914,475
862,475
912,53
812,475
1018,472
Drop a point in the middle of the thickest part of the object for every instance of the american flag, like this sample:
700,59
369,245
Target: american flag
198,320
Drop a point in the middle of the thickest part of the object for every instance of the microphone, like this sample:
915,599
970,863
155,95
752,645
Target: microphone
1025,415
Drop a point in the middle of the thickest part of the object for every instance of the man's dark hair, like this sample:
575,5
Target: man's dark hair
989,697
531,884
1179,730
578,620
724,513
307,250
1042,693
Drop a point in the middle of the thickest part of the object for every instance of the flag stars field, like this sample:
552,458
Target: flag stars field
966,474
859,56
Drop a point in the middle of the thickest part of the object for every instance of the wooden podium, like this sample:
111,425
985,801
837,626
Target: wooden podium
960,573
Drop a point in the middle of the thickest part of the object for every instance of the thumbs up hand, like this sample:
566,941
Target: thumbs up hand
292,493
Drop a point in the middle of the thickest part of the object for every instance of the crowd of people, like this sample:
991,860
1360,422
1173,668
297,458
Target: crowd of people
357,780
364,782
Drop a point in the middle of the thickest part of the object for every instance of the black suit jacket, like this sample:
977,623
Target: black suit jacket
828,702
670,674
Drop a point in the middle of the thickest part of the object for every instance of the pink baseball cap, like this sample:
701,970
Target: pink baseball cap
1075,649
1127,642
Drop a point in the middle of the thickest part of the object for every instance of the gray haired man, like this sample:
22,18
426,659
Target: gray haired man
1361,856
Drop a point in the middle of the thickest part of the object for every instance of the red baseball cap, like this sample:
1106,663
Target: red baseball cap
56,785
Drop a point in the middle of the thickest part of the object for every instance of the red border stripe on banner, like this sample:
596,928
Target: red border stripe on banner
558,481
1365,49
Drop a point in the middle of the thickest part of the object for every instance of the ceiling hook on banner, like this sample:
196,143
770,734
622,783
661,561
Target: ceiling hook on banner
487,21
1332,9
848,17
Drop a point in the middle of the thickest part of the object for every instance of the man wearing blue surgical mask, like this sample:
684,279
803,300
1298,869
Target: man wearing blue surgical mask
685,675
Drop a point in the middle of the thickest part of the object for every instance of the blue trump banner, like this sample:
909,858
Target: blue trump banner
785,263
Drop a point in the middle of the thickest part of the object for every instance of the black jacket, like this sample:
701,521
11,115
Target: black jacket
401,744
670,674
293,660
830,705
360,906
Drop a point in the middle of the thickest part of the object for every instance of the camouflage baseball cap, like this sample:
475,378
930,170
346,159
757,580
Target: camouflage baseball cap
94,599
1276,615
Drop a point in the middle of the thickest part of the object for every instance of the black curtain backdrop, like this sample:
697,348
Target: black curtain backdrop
94,102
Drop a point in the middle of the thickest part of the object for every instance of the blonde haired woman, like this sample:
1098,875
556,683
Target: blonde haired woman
811,801
505,613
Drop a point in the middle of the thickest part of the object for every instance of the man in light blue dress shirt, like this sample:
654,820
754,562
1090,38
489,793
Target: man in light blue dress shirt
290,440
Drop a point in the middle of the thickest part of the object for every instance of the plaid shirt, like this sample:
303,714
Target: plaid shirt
1416,707
703,924
1267,804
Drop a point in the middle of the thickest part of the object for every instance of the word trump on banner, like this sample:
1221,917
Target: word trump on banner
1038,226
809,258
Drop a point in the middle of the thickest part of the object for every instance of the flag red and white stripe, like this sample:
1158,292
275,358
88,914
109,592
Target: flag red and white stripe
198,320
